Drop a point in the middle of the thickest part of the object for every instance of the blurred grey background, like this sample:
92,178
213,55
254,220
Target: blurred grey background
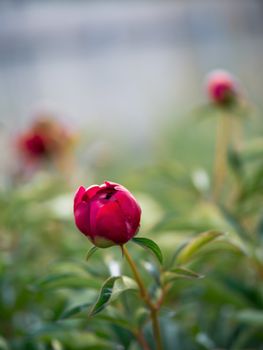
123,66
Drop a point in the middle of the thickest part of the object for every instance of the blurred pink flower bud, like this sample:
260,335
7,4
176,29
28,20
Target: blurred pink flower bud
33,145
107,214
221,87
45,138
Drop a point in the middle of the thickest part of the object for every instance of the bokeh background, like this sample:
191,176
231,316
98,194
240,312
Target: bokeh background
123,67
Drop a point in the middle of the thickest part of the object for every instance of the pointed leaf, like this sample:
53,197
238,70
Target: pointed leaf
189,250
184,272
74,310
91,252
180,273
105,294
123,284
178,250
110,290
151,245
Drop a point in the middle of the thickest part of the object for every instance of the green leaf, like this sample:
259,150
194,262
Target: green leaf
253,185
105,295
234,222
48,330
260,227
180,273
65,280
178,250
110,290
3,344
91,252
173,222
80,339
235,162
194,246
53,278
123,284
227,246
121,322
72,311
184,272
151,245
141,316
253,150
250,316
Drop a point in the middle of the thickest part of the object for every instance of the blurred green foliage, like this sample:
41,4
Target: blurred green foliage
48,291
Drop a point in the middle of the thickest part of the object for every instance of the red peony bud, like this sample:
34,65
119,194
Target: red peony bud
107,214
46,138
221,87
33,145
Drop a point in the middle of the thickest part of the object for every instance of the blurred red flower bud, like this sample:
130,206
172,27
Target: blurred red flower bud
33,144
107,214
221,86
45,138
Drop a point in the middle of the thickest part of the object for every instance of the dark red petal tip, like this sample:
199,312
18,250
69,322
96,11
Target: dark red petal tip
78,195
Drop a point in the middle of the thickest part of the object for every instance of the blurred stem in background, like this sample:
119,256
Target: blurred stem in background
220,164
237,133
146,298
237,143
141,340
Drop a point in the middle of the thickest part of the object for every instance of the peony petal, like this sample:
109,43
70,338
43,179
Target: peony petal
110,223
81,213
109,184
129,207
78,195
95,205
92,190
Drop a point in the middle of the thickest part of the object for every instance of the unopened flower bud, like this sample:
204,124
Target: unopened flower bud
107,214
221,87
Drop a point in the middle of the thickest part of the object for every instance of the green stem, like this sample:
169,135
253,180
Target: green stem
220,166
146,298
156,328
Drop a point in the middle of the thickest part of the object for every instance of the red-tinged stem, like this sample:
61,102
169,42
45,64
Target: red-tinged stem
142,340
146,298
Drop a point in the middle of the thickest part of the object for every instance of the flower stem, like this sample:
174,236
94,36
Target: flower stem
146,298
220,166
156,328
237,133
136,274
141,340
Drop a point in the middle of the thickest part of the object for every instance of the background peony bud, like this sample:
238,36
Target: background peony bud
33,145
107,214
46,137
221,87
